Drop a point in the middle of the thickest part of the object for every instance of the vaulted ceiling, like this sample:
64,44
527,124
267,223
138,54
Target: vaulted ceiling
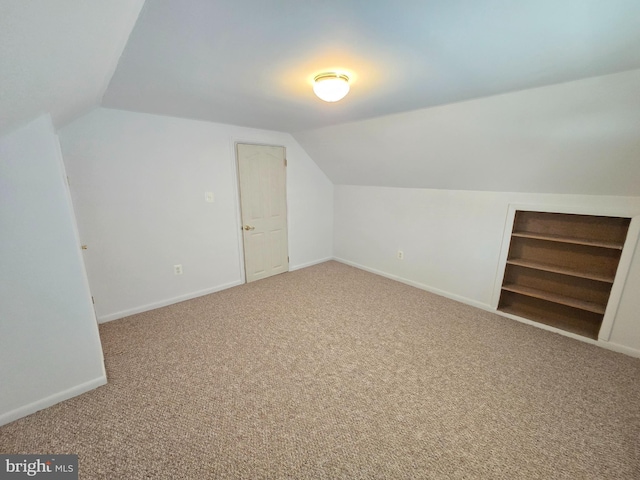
251,62
58,56
580,137
414,64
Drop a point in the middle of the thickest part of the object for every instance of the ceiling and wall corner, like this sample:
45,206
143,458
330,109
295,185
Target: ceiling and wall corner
57,56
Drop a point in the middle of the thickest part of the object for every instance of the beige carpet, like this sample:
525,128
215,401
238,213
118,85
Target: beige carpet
331,372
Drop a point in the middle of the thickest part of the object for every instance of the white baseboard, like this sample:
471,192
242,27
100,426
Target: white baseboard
483,306
189,296
309,264
51,400
422,286
632,352
164,303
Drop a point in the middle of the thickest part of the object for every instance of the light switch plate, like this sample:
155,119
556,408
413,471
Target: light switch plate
208,196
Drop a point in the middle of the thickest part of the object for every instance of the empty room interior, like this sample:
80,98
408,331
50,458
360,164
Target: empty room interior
338,239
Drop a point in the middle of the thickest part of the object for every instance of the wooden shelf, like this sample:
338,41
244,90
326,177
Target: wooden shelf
571,240
562,270
555,298
568,324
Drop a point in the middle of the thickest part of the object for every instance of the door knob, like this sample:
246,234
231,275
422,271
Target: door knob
248,227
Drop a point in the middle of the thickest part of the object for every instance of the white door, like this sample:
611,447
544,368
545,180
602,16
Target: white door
261,170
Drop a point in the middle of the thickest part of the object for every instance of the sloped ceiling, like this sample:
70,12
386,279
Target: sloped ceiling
527,95
251,62
581,137
57,56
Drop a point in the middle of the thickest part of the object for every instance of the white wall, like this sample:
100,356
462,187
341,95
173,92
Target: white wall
452,240
626,330
49,344
138,183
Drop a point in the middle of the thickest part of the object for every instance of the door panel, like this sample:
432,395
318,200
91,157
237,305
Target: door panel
277,242
262,179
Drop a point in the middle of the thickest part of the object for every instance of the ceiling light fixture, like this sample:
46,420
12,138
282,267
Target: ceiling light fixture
331,86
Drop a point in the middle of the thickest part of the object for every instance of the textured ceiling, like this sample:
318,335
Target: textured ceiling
251,62
57,56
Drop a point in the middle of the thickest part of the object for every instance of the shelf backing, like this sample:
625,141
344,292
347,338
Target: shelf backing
594,227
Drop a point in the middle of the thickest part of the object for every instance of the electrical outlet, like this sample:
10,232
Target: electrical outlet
400,255
177,269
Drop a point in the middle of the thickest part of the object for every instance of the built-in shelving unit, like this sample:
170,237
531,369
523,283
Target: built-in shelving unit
560,268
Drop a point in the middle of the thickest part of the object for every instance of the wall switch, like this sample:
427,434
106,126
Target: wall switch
177,269
400,255
208,196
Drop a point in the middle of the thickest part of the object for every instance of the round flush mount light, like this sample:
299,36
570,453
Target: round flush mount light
331,86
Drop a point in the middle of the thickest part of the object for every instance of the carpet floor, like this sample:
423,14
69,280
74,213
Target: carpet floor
331,372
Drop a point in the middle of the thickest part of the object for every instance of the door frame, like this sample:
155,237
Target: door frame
236,173
76,231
